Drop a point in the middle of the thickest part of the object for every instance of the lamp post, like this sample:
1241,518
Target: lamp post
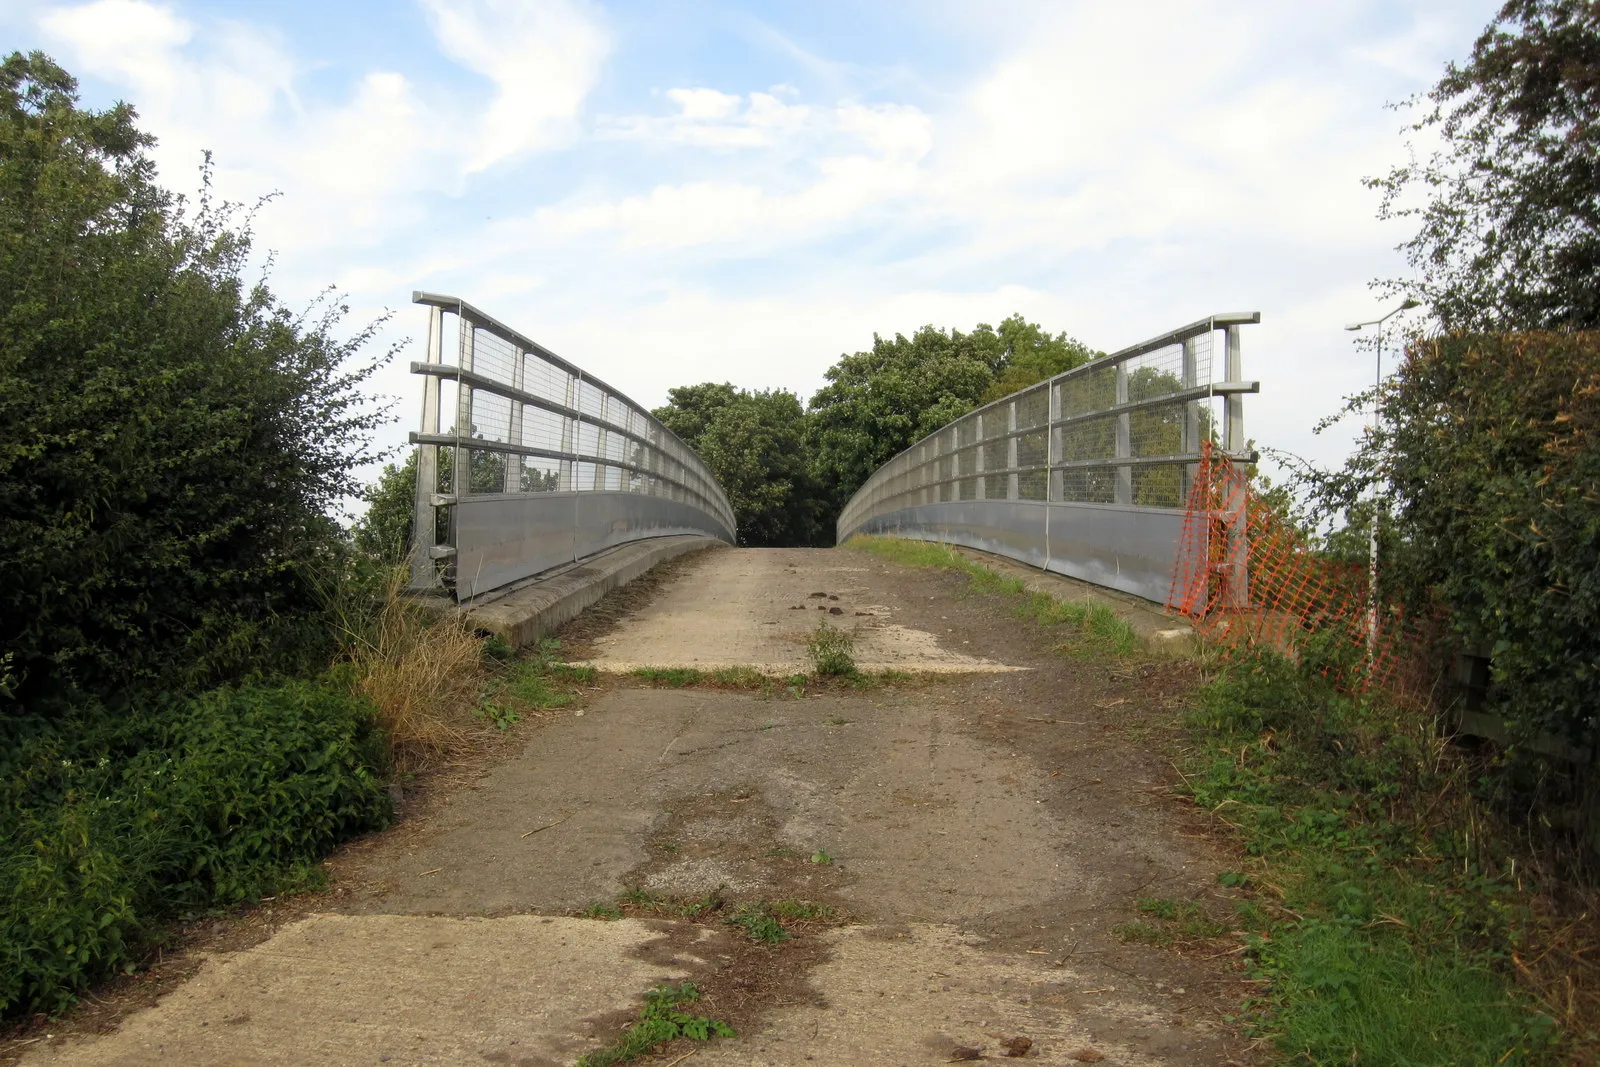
1372,540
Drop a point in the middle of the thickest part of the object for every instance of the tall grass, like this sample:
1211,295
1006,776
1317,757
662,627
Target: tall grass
422,670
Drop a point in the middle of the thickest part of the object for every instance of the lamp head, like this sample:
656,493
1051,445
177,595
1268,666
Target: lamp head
1355,326
1410,303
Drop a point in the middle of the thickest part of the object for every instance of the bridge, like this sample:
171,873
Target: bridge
926,861
1085,474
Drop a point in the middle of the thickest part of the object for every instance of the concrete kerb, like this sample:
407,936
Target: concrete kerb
524,615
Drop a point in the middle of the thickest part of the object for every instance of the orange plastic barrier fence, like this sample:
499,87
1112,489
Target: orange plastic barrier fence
1246,579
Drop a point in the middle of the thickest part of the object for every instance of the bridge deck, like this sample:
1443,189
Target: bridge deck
986,829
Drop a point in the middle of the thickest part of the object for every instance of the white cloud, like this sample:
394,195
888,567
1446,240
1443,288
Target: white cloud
543,58
352,171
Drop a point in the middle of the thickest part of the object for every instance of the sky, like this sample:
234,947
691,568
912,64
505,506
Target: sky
690,190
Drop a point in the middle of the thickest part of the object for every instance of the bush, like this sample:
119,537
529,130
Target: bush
1494,461
172,439
109,824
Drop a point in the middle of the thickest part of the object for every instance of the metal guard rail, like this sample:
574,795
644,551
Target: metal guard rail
1085,474
557,464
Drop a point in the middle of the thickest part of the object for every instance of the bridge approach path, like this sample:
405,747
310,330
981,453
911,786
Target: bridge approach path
989,822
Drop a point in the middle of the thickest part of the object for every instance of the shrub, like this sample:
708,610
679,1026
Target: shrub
172,439
109,824
1495,460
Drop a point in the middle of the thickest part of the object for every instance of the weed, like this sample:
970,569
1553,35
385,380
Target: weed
800,910
835,720
832,651
659,1022
497,648
740,678
759,924
501,718
422,672
601,911
820,857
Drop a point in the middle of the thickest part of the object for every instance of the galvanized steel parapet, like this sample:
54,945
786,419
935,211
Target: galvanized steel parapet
1124,430
527,426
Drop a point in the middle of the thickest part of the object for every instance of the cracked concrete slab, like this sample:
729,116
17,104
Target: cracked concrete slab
337,989
756,607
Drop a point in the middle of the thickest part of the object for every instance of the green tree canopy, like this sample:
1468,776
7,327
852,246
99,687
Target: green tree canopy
1032,355
756,446
172,440
879,402
1509,205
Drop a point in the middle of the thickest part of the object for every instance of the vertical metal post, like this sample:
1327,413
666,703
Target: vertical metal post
461,474
1052,449
567,480
513,460
1237,595
980,446
1123,493
1233,403
424,574
1013,490
1191,420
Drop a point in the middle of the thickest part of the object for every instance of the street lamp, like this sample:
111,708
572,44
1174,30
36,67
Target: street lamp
1372,542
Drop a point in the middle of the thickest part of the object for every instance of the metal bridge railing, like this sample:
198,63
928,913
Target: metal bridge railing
1086,473
538,463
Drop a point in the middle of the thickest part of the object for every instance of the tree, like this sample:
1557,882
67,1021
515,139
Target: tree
1032,355
172,439
755,444
384,532
878,403
1509,233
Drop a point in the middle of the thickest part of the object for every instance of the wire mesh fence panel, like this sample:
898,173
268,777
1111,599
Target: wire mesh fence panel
1123,431
522,424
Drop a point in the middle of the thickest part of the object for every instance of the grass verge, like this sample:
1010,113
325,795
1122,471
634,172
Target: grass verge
1095,629
1389,915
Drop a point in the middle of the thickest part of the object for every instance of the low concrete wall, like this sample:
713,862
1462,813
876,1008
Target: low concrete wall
527,614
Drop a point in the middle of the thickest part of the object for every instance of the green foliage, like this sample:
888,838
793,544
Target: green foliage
759,924
1509,211
756,445
172,439
878,403
538,680
384,532
1032,355
109,824
660,1021
788,470
1488,460
832,651
1398,919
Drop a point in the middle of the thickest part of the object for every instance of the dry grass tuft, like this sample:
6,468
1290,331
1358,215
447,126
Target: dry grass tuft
422,671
